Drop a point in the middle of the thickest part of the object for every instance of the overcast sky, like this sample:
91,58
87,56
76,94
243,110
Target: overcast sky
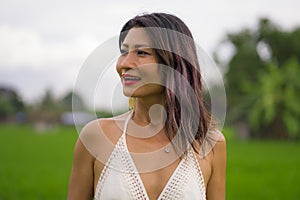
43,44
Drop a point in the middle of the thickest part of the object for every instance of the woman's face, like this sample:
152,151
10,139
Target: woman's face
137,65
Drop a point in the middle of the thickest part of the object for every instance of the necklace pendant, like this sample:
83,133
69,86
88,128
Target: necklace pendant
167,149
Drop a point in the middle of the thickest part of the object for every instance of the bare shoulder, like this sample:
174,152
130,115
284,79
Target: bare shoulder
221,142
219,148
216,183
221,137
99,136
213,142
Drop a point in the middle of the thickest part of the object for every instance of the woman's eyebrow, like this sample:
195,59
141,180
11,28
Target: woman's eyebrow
136,46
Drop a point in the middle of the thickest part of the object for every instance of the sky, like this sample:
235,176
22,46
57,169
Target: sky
44,44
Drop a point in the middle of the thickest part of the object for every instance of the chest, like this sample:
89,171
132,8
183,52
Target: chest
157,166
155,182
177,181
142,169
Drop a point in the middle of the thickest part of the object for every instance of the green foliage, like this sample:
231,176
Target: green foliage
278,96
6,108
50,108
72,101
283,44
48,101
104,114
262,82
267,98
10,103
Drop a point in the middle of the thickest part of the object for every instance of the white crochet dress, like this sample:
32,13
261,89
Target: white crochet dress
121,180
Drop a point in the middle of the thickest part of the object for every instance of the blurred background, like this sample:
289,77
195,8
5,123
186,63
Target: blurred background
43,44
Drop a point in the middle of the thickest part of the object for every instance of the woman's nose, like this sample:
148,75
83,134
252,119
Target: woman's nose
128,60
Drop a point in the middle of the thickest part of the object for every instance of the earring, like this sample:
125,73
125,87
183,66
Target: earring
131,103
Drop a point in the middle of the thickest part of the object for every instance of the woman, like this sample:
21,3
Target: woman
166,147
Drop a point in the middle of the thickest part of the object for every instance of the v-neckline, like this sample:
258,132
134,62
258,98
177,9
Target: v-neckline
138,174
175,186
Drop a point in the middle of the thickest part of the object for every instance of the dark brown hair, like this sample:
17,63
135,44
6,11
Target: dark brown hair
187,119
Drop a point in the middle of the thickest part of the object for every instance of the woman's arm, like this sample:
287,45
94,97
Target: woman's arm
82,174
216,185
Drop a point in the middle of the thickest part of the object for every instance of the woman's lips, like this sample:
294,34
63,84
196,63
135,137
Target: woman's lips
130,79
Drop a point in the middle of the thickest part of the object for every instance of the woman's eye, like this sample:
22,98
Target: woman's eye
142,53
123,52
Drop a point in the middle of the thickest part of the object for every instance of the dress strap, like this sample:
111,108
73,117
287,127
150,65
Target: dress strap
126,123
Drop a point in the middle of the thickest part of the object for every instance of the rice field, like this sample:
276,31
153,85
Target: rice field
36,165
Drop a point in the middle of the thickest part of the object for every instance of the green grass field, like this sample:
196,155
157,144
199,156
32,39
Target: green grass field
37,166
263,170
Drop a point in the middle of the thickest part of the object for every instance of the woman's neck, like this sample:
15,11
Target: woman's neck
149,111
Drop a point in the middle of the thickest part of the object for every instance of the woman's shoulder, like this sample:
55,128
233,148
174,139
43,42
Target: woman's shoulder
100,135
220,138
220,144
215,149
213,140
104,125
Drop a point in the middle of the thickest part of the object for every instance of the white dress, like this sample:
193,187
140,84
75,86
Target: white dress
120,179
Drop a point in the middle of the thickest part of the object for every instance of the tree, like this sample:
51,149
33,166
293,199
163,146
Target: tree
50,109
48,101
261,82
72,99
276,109
10,103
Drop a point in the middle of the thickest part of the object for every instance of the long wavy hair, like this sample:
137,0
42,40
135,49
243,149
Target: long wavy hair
187,120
